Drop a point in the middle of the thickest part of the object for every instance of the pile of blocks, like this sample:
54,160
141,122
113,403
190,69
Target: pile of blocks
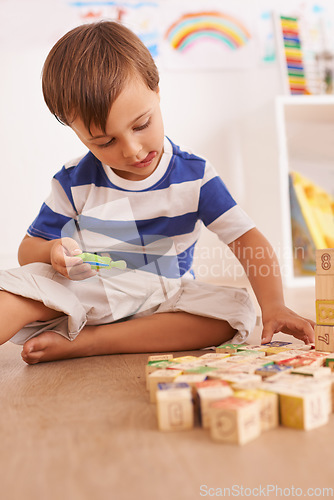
240,391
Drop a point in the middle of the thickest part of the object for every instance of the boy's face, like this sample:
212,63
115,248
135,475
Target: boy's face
133,143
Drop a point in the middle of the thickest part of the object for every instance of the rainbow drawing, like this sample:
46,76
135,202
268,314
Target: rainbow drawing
192,27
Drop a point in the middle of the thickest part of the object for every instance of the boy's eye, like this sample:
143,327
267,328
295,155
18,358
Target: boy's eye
142,127
109,143
137,129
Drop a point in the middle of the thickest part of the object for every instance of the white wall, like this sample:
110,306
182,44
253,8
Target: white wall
226,116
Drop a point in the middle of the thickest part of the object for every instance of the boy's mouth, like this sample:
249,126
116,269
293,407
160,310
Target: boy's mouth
146,161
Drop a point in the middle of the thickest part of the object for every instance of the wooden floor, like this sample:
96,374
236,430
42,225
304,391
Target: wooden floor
84,429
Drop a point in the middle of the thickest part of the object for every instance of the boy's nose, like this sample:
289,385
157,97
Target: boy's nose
131,149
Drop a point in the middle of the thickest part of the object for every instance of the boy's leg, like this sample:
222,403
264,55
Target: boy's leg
17,311
161,332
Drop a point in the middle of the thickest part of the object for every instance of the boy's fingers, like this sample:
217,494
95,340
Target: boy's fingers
267,332
302,329
71,246
266,336
71,262
81,272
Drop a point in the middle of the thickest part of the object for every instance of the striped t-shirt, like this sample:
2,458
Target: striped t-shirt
154,223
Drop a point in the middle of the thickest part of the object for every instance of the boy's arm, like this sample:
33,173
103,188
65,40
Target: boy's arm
262,268
33,249
60,253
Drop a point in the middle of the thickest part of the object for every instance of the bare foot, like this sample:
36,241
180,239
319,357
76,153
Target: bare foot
50,346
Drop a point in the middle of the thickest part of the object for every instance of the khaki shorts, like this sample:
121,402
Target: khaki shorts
116,295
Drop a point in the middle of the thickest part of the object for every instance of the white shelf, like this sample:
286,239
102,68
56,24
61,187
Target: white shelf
305,131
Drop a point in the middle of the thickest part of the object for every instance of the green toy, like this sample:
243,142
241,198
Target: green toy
98,262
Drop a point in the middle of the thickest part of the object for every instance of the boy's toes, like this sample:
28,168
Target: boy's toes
33,349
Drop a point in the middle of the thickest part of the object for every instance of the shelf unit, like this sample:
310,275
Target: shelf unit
305,132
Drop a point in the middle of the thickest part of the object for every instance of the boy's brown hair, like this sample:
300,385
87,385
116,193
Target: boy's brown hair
87,69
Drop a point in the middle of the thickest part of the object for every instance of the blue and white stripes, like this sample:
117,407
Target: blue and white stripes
141,221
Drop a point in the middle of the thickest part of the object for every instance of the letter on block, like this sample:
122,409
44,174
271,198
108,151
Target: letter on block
208,395
235,420
324,338
174,407
268,402
304,410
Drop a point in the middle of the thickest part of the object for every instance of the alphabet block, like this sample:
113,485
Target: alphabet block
160,357
330,362
312,371
304,410
228,348
272,369
234,420
158,377
174,407
268,402
324,338
325,261
324,287
325,312
153,366
208,392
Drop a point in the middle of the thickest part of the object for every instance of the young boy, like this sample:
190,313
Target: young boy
138,197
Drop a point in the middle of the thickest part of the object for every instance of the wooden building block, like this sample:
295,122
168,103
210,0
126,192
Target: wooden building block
295,362
213,356
272,369
160,357
249,347
318,357
325,261
304,409
324,287
200,370
192,380
185,359
249,353
174,407
330,362
303,347
274,350
217,363
325,312
234,420
268,402
234,378
236,360
324,338
312,371
158,377
153,366
228,348
208,394
277,343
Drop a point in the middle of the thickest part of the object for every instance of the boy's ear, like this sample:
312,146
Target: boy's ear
158,91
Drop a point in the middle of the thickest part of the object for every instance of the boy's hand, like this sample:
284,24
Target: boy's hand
64,260
281,319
